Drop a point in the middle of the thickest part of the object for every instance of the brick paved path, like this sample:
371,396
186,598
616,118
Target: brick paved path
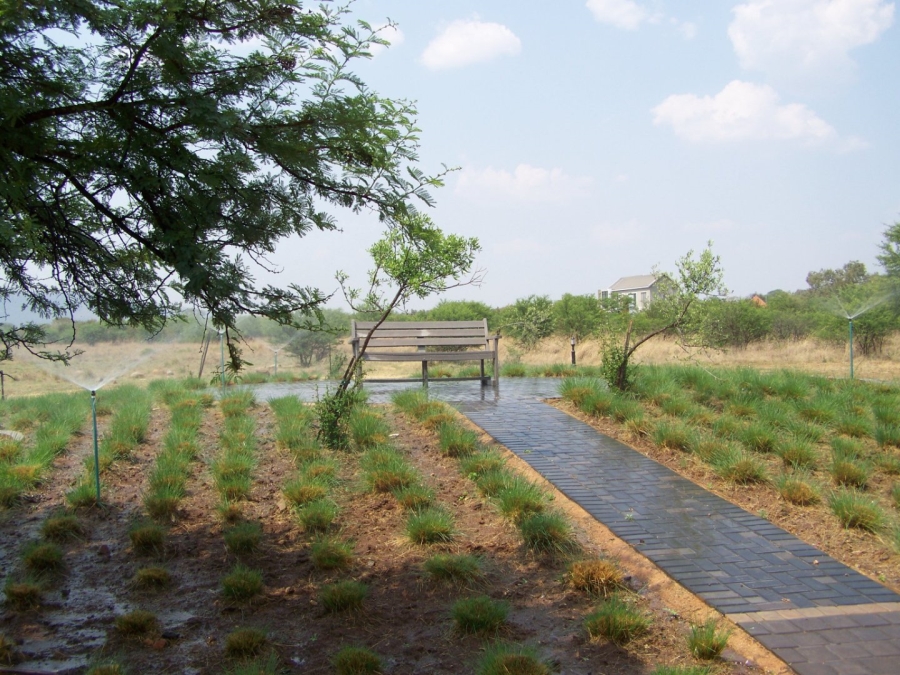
816,614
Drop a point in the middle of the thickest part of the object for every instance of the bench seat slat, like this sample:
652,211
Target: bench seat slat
388,325
424,342
361,335
428,356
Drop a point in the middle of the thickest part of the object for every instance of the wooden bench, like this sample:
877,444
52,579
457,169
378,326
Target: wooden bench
452,340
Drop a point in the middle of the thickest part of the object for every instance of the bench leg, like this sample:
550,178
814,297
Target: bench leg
425,373
483,378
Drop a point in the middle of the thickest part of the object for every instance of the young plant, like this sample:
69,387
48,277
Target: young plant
302,491
520,498
137,624
706,641
511,659
242,584
598,577
479,615
460,568
855,510
414,497
797,489
245,643
147,538
23,595
356,661
328,553
152,578
457,441
546,532
63,527
617,621
432,525
318,516
343,596
42,558
243,538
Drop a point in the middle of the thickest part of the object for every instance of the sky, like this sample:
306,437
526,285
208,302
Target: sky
600,139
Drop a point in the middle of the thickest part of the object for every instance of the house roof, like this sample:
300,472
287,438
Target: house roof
634,283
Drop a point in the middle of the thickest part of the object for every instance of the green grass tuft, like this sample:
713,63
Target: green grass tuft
706,641
356,661
432,525
511,659
242,584
546,532
855,510
243,538
343,596
479,615
245,643
328,553
152,578
616,621
138,624
460,568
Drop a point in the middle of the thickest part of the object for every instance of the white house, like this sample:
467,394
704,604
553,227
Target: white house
639,288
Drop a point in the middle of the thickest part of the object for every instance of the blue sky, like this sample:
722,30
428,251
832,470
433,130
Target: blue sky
598,139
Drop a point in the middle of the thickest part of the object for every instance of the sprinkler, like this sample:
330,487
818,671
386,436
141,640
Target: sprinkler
850,322
222,357
96,446
276,361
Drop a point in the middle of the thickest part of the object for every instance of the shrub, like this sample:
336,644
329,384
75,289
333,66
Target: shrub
596,577
479,615
454,567
431,525
617,621
506,659
854,510
356,661
706,641
343,596
245,643
242,584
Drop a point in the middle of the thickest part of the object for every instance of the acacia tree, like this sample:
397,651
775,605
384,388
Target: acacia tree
151,149
672,311
414,260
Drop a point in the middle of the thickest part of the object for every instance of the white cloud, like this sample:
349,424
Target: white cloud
714,227
742,111
806,37
390,33
463,43
616,233
624,14
525,183
687,29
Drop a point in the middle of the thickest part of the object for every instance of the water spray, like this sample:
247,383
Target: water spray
96,445
276,361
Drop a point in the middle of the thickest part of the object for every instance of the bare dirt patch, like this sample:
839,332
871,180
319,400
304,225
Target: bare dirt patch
406,617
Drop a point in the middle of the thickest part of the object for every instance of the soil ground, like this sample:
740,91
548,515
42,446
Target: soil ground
406,617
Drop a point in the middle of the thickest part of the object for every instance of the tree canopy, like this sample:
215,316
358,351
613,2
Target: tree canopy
151,149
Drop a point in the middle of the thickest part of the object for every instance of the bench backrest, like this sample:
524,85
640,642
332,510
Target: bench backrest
421,333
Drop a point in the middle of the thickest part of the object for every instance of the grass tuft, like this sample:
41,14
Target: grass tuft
460,568
138,624
617,621
456,441
596,577
343,596
511,659
242,584
328,553
432,525
243,538
414,497
62,528
42,558
479,615
318,516
23,595
245,643
356,661
855,510
147,538
152,578
706,641
546,532
797,489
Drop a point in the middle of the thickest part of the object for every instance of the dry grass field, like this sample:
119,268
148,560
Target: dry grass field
141,362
